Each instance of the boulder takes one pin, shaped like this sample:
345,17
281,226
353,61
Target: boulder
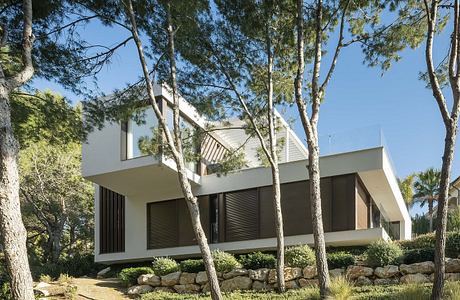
334,273
187,288
309,272
235,273
386,271
292,284
150,279
414,278
164,289
48,290
354,272
236,283
139,289
448,277
426,267
363,280
187,278
42,285
258,285
206,288
453,265
171,279
289,274
201,278
386,281
103,272
259,274
308,282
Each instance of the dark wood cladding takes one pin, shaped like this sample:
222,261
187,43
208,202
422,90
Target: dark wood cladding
249,214
169,223
112,221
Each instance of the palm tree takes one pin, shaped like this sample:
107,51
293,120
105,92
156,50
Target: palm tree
406,186
427,190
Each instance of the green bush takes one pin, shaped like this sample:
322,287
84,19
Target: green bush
381,253
192,265
129,275
340,259
258,260
453,244
299,256
418,255
453,219
224,262
76,266
164,265
427,241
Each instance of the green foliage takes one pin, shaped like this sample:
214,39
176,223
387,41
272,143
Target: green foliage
76,266
46,116
5,292
406,186
192,265
418,255
340,288
427,241
427,187
453,219
453,244
420,225
129,275
340,259
224,262
381,253
164,265
257,260
414,291
299,256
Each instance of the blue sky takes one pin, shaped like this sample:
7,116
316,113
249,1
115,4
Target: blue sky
357,97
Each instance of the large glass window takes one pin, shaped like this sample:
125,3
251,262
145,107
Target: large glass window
140,129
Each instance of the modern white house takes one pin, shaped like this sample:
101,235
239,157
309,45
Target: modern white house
141,213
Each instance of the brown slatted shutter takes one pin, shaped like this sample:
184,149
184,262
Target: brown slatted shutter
242,215
295,204
111,221
163,227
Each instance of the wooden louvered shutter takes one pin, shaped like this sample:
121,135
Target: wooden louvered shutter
111,221
162,225
242,215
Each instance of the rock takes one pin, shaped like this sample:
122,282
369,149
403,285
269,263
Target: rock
201,278
170,279
386,281
426,267
139,289
292,284
448,277
41,293
259,274
42,285
386,271
308,282
150,279
309,272
354,272
103,272
187,288
235,272
453,265
187,278
236,283
164,289
206,288
414,278
289,274
258,285
334,273
363,280
48,290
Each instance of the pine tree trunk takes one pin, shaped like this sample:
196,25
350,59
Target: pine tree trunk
439,257
316,215
12,231
279,229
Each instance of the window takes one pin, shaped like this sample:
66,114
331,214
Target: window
138,131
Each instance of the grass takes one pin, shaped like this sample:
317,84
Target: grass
340,289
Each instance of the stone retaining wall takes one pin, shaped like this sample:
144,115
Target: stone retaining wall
265,279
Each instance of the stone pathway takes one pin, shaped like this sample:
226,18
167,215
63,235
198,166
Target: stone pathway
99,289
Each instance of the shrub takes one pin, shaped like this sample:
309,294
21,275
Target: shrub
453,219
224,262
453,244
258,260
45,278
192,265
427,241
340,288
129,275
65,279
76,266
340,259
299,256
381,253
164,265
418,255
